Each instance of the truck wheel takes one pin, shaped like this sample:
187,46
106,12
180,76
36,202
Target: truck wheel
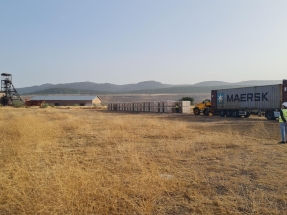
228,113
196,111
235,113
222,113
247,115
270,115
206,112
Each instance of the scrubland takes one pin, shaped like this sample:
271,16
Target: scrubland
81,161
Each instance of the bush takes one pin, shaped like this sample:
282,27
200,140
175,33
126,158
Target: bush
99,106
18,104
45,105
187,99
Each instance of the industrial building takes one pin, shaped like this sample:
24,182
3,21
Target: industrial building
8,93
69,100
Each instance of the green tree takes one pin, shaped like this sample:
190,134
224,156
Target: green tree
187,99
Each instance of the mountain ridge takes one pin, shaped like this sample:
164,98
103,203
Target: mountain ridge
144,86
96,86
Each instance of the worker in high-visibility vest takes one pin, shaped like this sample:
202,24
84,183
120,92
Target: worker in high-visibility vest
283,122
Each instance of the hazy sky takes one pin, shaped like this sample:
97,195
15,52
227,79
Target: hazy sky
128,41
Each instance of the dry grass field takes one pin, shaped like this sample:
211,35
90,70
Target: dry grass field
87,161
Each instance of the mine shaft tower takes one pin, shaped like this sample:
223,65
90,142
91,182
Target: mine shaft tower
7,87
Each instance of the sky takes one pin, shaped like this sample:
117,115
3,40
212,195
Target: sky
129,41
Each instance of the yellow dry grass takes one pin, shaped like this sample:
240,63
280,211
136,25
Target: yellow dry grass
81,161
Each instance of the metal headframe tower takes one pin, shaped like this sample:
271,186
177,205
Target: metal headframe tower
7,87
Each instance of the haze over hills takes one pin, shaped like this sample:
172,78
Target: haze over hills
245,83
97,87
141,87
260,83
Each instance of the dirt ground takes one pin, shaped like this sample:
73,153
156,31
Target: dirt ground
190,117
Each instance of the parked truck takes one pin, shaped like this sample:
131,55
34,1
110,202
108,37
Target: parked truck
237,102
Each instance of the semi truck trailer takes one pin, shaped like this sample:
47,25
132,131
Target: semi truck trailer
237,102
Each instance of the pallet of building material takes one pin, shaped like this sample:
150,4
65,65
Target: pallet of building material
169,103
140,107
115,106
184,103
146,106
153,104
154,109
143,106
173,110
185,109
137,106
168,109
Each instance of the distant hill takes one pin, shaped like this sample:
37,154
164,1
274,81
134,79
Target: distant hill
149,87
186,89
245,83
211,83
170,90
58,91
34,88
259,83
96,87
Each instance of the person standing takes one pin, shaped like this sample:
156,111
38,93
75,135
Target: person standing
176,108
283,122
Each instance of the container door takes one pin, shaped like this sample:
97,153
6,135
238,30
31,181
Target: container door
214,99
